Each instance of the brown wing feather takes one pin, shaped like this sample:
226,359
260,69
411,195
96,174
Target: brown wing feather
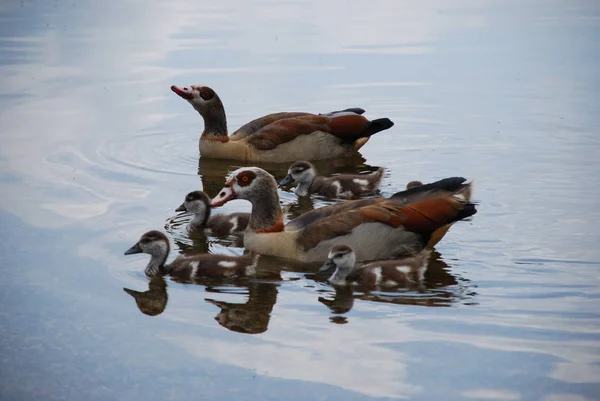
287,129
326,211
343,223
424,216
261,122
430,214
350,126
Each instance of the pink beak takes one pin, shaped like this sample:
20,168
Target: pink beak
184,92
225,195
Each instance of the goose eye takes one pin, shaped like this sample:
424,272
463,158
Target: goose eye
206,93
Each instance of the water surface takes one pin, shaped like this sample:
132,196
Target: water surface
96,150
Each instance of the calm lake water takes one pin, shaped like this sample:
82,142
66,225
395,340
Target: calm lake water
96,150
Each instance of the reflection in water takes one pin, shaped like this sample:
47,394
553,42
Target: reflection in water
95,146
434,291
303,205
197,241
154,301
214,171
342,301
251,317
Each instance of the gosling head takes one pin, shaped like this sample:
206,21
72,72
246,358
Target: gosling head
413,184
301,172
198,203
342,257
153,243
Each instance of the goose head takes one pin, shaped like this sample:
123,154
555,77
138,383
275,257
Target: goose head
206,102
343,258
250,183
202,98
301,172
198,203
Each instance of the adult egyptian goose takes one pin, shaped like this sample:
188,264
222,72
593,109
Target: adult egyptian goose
385,273
279,137
193,266
304,175
198,203
378,228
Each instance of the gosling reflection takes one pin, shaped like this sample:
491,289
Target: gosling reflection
439,288
154,301
302,205
251,317
201,242
342,302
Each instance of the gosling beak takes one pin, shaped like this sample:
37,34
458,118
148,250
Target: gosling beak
134,249
181,208
328,265
185,92
225,195
133,293
286,181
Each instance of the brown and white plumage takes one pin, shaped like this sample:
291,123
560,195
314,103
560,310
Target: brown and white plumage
385,273
279,137
198,203
377,228
304,175
192,266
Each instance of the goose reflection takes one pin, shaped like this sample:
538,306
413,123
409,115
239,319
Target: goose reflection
154,301
440,288
214,171
253,316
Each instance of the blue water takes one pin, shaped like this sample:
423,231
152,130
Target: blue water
96,150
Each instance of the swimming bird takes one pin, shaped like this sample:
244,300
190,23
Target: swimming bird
279,137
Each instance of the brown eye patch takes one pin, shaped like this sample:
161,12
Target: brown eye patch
245,178
206,93
300,166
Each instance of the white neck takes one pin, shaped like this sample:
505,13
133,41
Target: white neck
303,189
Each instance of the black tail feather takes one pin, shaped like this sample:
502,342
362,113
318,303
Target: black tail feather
451,184
377,125
468,211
